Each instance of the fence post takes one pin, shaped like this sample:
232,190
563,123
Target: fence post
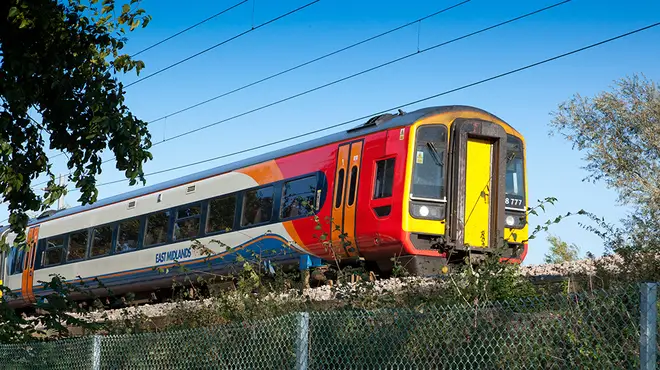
302,341
648,325
96,352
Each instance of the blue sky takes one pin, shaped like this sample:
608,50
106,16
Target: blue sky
525,100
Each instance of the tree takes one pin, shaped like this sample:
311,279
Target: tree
58,85
560,251
618,132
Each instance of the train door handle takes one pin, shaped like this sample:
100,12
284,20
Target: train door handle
317,200
485,193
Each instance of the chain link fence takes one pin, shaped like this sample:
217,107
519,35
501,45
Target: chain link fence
597,330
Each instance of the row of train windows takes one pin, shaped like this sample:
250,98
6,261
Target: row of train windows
297,199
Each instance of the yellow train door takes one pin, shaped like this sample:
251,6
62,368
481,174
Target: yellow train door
478,185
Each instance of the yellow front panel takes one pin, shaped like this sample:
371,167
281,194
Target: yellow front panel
477,192
411,224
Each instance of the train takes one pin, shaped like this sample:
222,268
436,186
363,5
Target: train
423,189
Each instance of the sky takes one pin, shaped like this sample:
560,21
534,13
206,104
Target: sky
525,100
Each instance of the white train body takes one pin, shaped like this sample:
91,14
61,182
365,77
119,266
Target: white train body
23,270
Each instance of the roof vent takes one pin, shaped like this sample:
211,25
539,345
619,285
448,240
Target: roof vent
377,120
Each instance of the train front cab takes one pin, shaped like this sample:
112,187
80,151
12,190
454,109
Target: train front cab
464,192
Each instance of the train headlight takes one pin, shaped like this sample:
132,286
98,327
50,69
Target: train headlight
515,221
427,211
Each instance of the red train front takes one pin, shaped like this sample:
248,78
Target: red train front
426,186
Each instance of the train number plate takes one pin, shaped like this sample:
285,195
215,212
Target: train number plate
514,201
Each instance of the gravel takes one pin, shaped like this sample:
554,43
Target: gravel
328,293
579,267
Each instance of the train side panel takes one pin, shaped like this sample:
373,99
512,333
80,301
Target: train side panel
130,270
381,194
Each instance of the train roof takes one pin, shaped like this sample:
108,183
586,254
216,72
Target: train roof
375,124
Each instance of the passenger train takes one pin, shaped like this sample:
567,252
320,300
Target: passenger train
427,186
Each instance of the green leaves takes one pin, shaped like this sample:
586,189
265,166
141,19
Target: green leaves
560,251
65,70
616,130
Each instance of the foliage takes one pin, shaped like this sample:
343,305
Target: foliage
56,312
617,131
545,226
560,251
59,61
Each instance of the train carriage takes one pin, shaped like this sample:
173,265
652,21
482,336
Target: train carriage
427,186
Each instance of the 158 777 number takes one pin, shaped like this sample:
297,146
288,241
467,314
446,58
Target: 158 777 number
513,202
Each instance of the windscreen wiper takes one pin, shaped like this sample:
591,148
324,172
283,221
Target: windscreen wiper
434,153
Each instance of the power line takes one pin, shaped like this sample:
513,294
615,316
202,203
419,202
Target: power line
221,43
189,28
446,92
308,62
165,40
39,184
410,55
293,68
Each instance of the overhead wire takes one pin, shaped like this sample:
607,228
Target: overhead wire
199,53
352,76
362,118
189,28
165,40
410,55
254,28
308,62
334,82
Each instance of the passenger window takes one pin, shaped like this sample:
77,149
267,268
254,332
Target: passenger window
156,229
127,235
77,246
353,186
340,188
221,214
17,263
384,178
54,251
188,220
101,241
257,206
298,197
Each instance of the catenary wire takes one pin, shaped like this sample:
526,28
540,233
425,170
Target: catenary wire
189,28
185,133
308,62
356,74
446,92
221,43
353,75
197,54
